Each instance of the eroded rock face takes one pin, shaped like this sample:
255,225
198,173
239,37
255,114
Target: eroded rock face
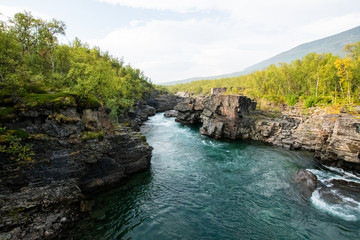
171,113
163,102
154,103
189,111
77,153
225,116
332,137
335,139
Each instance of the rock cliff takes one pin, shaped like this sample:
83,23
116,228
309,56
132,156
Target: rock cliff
77,152
153,103
334,138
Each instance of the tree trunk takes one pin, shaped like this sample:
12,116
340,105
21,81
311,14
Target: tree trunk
317,82
348,83
335,92
52,60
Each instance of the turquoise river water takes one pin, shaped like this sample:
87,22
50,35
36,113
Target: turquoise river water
200,188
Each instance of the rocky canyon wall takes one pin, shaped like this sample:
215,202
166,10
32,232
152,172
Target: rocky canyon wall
334,138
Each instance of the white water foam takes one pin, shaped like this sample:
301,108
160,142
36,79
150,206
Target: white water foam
348,209
345,212
349,175
334,174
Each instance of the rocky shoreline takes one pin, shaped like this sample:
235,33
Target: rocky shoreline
335,138
78,152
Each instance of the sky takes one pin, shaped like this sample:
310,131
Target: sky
172,40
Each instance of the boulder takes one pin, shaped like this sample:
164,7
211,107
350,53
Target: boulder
171,113
307,180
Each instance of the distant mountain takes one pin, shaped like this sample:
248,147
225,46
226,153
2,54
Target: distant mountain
333,44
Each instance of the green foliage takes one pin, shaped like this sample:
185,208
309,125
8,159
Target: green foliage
310,102
36,71
7,135
35,88
161,89
320,79
18,151
3,130
6,112
291,100
274,98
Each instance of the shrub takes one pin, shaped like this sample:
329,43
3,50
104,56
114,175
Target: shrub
274,98
310,102
292,100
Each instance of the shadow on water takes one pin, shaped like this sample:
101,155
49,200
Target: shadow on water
200,188
113,212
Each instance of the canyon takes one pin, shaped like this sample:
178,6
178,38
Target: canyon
334,138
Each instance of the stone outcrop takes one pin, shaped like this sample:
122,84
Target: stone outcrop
216,91
225,115
307,180
335,139
163,101
171,114
189,111
332,137
77,152
153,103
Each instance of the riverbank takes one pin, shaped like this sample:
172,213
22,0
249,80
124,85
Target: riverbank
334,138
73,153
202,188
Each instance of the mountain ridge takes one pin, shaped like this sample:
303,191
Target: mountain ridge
334,44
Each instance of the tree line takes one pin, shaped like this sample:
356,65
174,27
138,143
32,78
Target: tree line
32,61
316,79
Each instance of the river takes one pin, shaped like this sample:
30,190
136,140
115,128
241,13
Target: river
200,188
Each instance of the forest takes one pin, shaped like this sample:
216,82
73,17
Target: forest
35,68
314,80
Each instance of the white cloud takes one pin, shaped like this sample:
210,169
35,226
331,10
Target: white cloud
176,6
240,34
331,26
171,50
211,37
7,12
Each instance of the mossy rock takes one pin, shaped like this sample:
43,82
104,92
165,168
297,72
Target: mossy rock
88,103
49,100
6,95
64,119
39,136
8,135
92,135
19,133
7,113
